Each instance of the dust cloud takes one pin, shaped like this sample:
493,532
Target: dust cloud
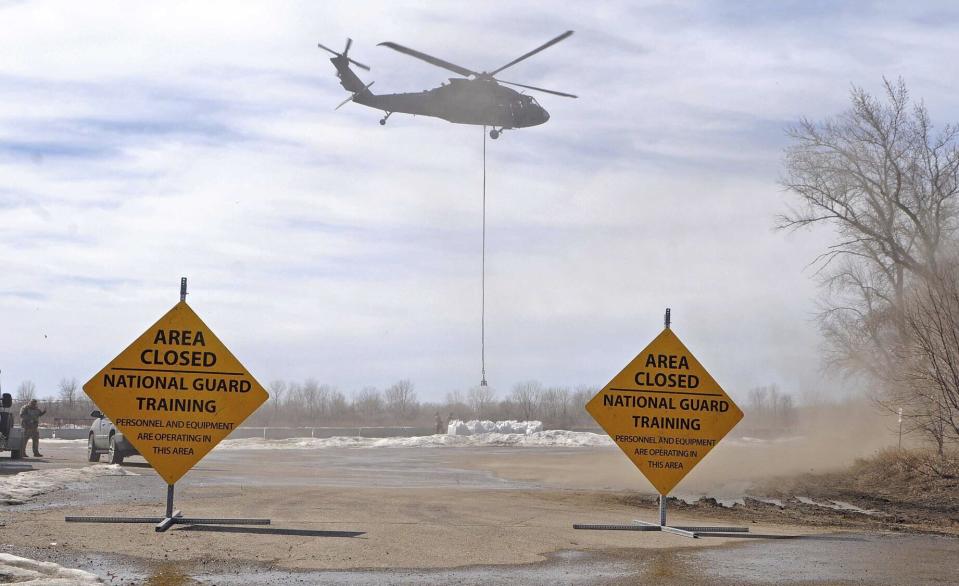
820,438
824,438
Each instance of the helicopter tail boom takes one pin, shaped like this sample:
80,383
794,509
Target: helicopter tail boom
349,80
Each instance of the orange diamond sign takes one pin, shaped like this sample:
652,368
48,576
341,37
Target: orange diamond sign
176,392
664,411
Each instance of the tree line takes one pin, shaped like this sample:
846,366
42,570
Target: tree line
769,411
310,403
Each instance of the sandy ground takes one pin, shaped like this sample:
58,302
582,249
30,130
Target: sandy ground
469,515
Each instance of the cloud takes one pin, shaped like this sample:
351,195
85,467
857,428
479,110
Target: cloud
200,140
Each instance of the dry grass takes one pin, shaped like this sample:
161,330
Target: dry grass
910,479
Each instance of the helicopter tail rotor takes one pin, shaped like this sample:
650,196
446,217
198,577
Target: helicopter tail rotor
354,96
345,53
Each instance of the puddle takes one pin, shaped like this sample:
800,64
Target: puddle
832,559
568,567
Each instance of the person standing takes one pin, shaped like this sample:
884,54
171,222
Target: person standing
30,416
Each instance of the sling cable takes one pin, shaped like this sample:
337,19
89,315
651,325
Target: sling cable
483,278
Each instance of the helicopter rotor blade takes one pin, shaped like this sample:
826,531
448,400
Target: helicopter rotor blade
343,54
534,51
539,89
349,43
358,64
324,47
429,59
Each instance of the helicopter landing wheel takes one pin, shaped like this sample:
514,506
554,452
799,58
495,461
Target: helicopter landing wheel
382,121
494,134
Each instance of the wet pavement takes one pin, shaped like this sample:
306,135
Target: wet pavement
840,558
827,557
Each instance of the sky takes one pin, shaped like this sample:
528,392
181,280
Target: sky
143,142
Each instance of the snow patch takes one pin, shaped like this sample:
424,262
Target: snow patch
769,501
838,506
18,570
757,441
294,443
476,427
19,488
550,438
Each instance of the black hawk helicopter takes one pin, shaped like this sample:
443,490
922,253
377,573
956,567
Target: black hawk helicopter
476,98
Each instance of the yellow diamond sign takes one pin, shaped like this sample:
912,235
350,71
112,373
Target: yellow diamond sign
175,392
664,411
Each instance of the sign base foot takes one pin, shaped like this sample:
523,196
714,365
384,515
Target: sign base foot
164,523
693,532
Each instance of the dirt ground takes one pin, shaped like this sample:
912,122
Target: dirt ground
467,515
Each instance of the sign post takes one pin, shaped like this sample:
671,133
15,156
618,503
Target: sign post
665,412
175,393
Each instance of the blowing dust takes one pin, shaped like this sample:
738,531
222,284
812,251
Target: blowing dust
823,438
818,439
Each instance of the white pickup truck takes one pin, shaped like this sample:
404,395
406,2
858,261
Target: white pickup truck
105,438
11,438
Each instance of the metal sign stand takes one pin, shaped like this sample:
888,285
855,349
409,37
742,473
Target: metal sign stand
684,530
172,517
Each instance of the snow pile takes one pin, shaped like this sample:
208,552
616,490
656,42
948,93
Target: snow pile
475,427
567,439
551,438
18,488
18,570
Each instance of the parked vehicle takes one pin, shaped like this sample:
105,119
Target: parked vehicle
105,438
11,438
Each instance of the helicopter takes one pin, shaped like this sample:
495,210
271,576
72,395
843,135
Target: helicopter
476,98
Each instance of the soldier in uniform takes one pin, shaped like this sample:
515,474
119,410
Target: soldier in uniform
30,421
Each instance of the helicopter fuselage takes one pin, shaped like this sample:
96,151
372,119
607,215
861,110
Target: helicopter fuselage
477,101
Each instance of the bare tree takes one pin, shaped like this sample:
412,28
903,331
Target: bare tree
786,411
526,396
928,389
770,410
26,391
293,405
759,400
481,399
277,388
555,403
456,404
887,183
401,399
67,391
580,397
311,399
339,407
368,403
